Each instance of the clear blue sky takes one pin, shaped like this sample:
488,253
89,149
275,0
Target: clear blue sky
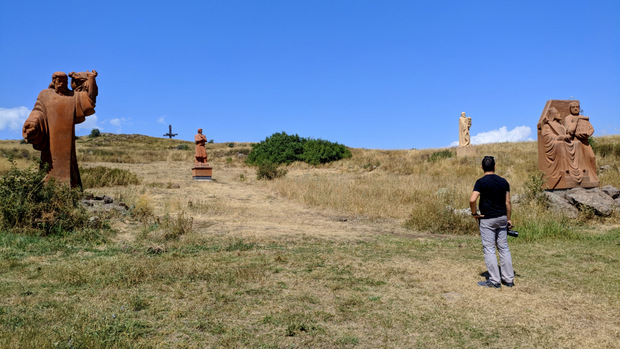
371,74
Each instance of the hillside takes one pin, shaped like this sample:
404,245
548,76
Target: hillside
363,252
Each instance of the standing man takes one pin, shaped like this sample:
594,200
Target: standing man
494,221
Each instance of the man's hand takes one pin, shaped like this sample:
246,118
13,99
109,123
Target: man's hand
509,224
477,216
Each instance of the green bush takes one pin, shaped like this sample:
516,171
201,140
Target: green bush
281,148
29,205
269,171
442,154
102,176
94,133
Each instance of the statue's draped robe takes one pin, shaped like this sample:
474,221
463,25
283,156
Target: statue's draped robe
464,125
561,157
55,117
201,152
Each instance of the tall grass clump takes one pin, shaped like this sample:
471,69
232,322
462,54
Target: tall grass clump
102,176
30,205
433,213
281,148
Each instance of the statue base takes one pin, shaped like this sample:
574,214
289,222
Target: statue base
202,172
462,152
567,182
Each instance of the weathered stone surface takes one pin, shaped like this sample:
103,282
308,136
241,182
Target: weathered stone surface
558,204
611,191
464,125
564,151
50,127
594,198
605,168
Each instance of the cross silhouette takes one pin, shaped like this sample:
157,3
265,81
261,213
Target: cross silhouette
170,134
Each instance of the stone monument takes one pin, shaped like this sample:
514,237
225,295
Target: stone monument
50,127
564,153
464,148
201,169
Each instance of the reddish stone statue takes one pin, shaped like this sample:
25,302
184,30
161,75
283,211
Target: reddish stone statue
201,169
50,127
564,153
201,151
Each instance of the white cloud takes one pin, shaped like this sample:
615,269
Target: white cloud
518,134
115,122
13,118
162,120
88,125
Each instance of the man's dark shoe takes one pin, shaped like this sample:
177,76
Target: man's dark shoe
508,284
488,283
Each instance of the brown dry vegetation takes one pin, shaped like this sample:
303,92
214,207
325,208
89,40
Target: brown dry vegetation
319,258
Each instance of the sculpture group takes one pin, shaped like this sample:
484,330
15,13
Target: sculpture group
564,152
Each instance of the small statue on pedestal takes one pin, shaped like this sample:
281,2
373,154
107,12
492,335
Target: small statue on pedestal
201,169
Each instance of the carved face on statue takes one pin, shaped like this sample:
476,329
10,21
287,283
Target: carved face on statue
200,131
575,108
60,82
553,114
463,114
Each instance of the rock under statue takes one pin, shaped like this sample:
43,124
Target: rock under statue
564,153
50,127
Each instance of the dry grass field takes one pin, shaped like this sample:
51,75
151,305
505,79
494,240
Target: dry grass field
365,252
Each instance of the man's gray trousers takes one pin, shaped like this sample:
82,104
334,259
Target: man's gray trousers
494,233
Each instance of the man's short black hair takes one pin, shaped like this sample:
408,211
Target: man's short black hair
488,164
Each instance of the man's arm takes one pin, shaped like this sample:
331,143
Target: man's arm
472,204
508,208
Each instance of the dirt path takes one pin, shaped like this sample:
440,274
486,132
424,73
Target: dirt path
235,203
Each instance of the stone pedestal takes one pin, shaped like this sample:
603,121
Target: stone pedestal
465,151
202,172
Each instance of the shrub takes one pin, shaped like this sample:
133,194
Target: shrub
281,148
30,205
231,145
94,133
269,171
102,176
210,141
318,151
183,147
442,154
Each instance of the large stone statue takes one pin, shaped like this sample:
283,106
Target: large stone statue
464,125
201,151
201,169
564,153
50,127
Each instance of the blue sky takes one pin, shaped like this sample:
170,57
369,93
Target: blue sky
369,74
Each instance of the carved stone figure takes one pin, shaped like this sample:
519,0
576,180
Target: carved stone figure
201,169
201,151
464,125
564,153
50,127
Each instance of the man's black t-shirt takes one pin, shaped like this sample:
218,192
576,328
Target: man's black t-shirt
492,189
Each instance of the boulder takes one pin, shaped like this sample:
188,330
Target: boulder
558,204
595,198
611,191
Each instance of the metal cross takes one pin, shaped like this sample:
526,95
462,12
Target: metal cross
170,134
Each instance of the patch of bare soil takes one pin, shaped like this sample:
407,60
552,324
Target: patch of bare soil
236,203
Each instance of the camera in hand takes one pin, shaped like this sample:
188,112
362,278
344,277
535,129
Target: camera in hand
511,232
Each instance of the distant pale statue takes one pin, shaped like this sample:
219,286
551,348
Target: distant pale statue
201,151
464,125
50,127
564,153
